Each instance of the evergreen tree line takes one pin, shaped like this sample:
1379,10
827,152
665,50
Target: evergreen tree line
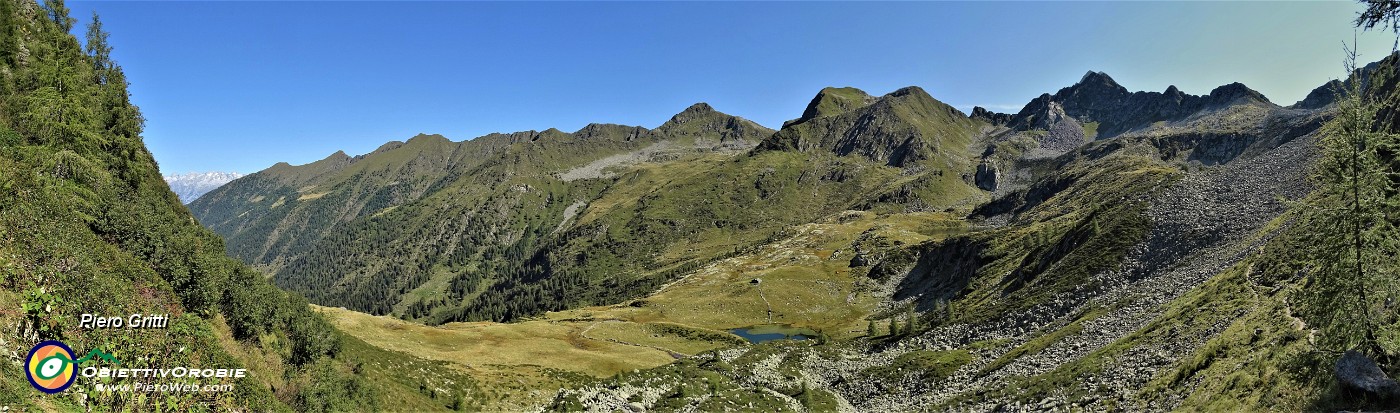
95,227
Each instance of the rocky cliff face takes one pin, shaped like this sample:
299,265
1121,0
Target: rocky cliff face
1321,96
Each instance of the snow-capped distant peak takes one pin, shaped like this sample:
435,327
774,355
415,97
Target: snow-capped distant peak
192,185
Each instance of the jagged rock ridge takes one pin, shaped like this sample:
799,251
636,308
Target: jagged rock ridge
1099,99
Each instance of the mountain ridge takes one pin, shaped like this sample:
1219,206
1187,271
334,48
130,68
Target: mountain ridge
190,186
1008,252
900,128
933,143
1097,98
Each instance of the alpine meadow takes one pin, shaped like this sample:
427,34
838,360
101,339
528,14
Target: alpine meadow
1099,249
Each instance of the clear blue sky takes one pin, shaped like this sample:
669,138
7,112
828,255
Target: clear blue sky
238,86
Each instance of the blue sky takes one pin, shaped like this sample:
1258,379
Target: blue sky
238,86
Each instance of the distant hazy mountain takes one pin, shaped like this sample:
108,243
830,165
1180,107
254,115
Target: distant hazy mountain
191,186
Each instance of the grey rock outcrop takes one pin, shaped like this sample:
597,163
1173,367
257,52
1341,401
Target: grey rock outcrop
1356,371
987,176
1321,96
994,118
1061,132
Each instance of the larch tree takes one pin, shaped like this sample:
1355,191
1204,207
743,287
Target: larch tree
1354,241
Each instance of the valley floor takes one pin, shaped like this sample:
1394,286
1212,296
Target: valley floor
805,281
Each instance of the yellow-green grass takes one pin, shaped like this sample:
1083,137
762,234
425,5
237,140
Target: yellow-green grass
431,386
514,365
672,337
311,196
260,363
806,279
436,285
553,345
646,178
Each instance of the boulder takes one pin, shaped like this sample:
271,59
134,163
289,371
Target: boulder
1356,371
987,176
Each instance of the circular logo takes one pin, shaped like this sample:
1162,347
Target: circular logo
50,367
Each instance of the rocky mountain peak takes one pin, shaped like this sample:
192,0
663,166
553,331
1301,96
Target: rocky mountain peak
834,101
910,91
1232,92
701,120
1321,96
551,133
1099,102
1092,89
423,138
1099,79
901,128
698,109
610,131
694,112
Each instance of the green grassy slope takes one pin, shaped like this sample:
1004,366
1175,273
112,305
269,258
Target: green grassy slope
87,226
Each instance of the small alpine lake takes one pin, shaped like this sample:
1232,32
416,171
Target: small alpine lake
770,332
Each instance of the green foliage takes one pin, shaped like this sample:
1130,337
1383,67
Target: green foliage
1353,214
1091,130
311,336
40,321
87,225
330,390
250,311
911,319
1380,12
